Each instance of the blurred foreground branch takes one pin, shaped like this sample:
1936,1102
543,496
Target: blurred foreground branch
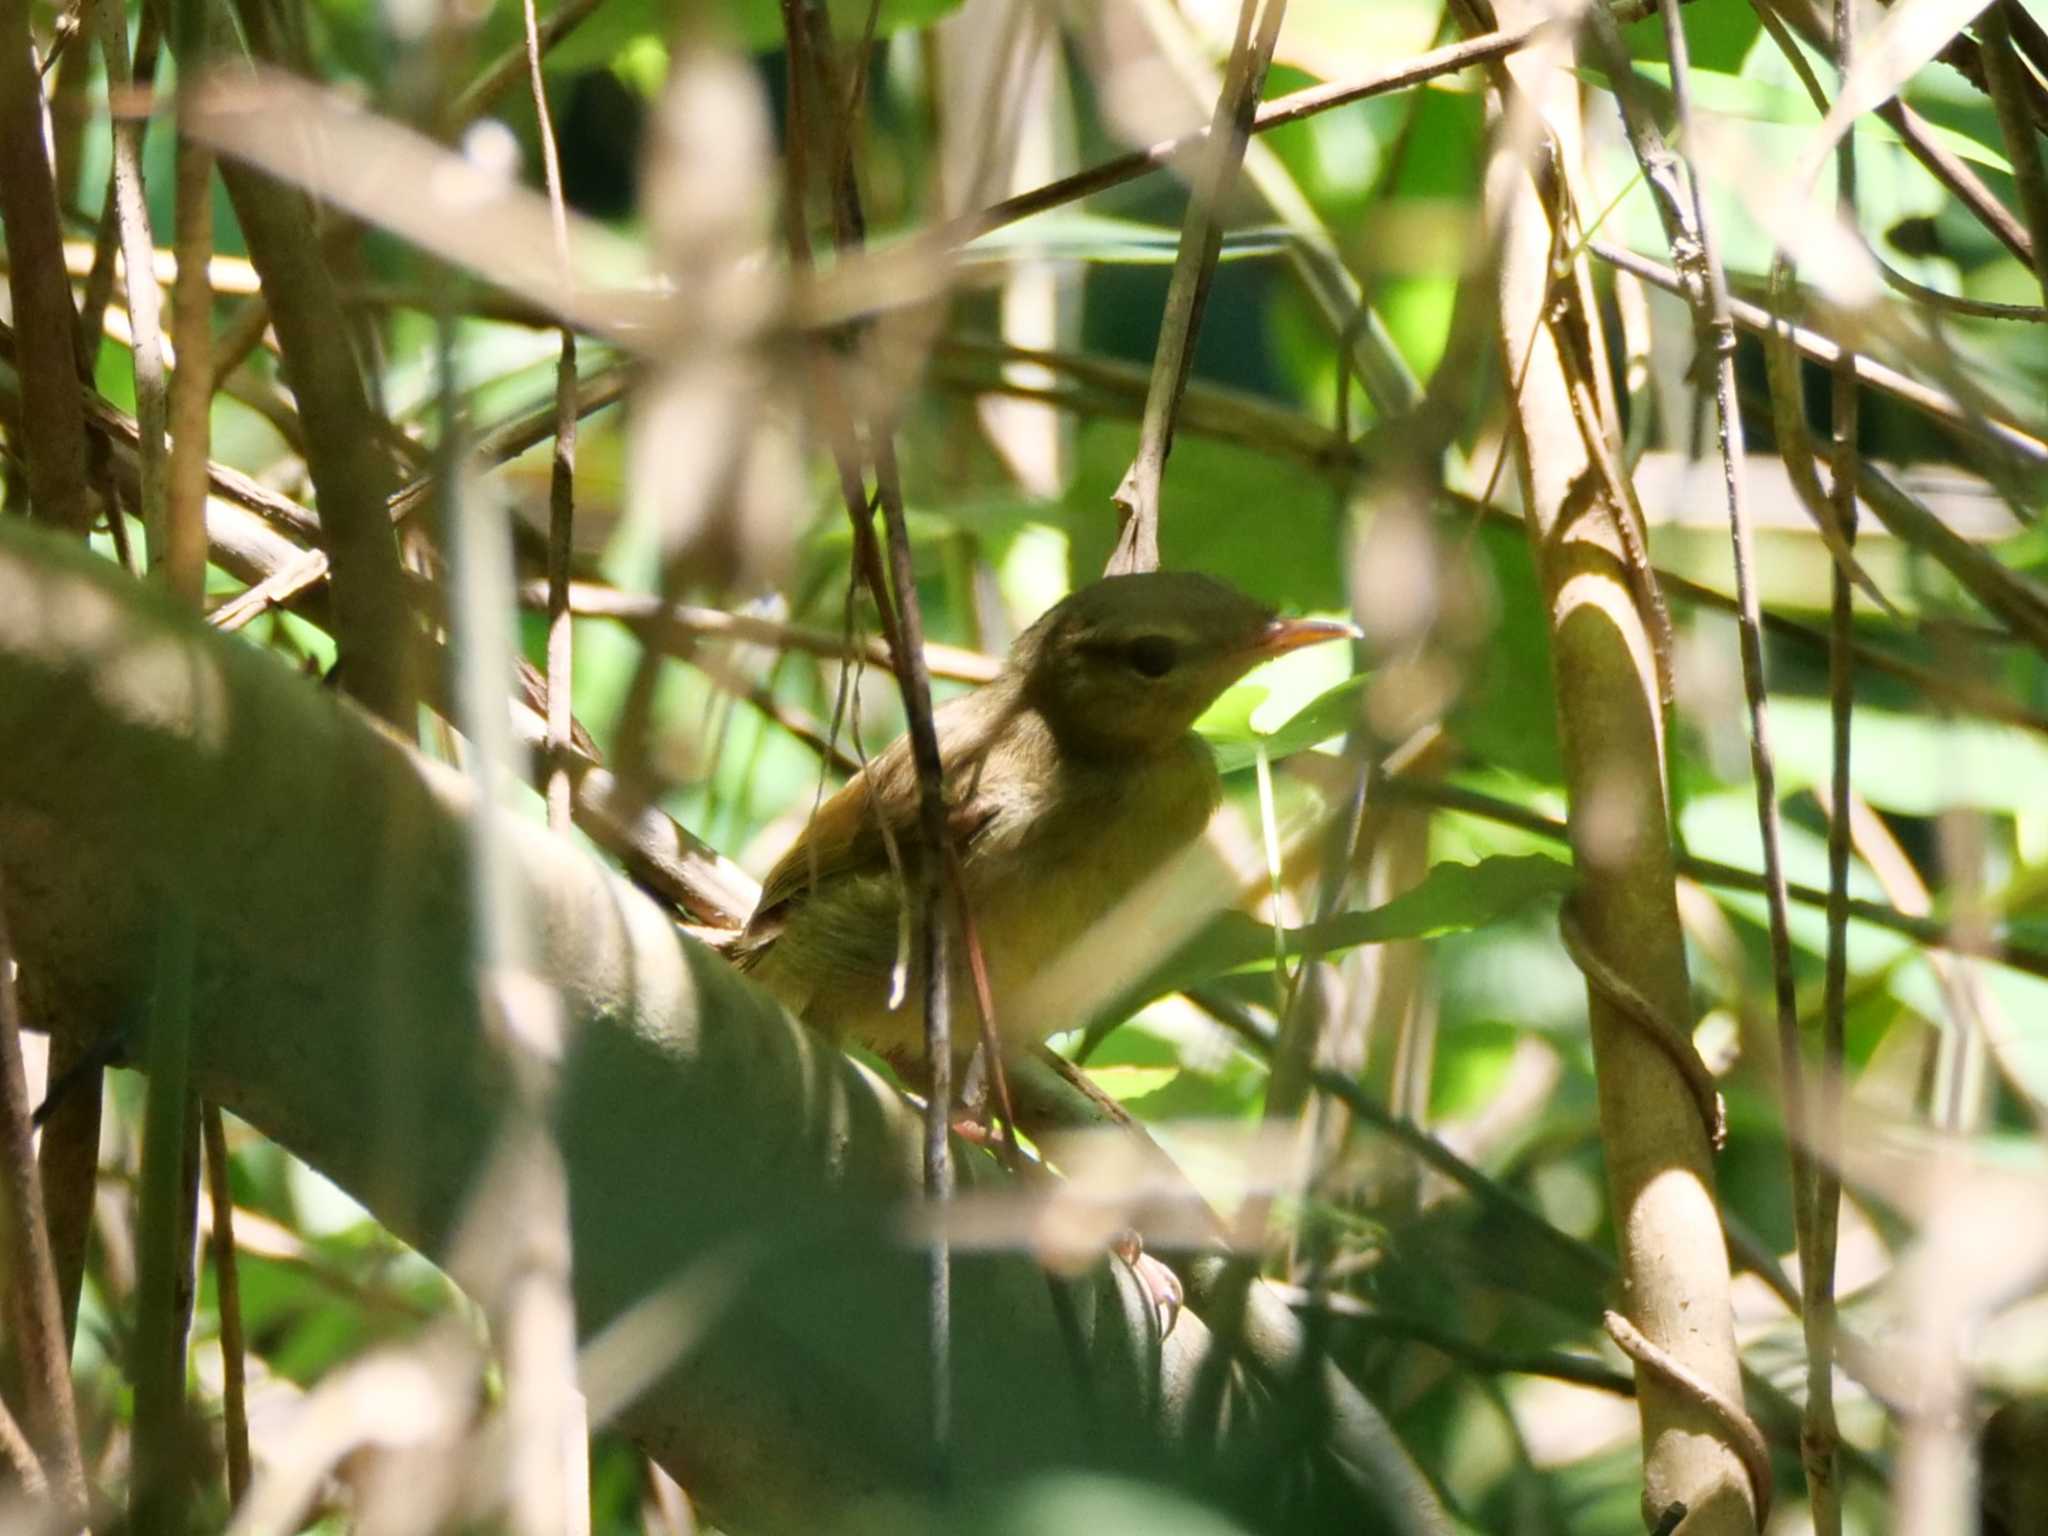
714,1149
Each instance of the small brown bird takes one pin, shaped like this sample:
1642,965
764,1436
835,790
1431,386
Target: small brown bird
1068,780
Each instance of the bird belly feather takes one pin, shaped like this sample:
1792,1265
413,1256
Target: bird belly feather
1043,871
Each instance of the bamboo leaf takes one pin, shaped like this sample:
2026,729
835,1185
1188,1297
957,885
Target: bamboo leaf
1451,898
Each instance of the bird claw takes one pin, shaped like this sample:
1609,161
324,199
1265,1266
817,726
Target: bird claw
1161,1285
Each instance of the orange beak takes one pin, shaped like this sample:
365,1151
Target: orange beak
1283,635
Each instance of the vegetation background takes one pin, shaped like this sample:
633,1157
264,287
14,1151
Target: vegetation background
613,360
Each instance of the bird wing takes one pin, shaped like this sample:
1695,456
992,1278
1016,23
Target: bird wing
850,833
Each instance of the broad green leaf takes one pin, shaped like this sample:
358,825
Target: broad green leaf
1264,521
1192,1095
1237,742
1507,714
1228,722
2020,1047
1451,898
1473,1060
1723,826
1767,101
1324,37
1914,763
1126,1083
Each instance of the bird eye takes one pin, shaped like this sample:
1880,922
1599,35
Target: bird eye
1152,655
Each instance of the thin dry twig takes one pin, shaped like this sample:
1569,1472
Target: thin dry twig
68,1162
185,545
1927,931
2007,79
20,1456
1931,352
821,739
561,472
591,600
1954,173
503,72
120,431
561,543
1307,245
813,126
53,442
1966,57
162,1488
1918,136
594,392
814,137
1820,1435
1555,1365
1818,348
345,459
1201,244
191,391
34,1307
1292,108
2017,601
227,1276
137,243
160,1491
1496,1199
1795,443
658,853
1951,303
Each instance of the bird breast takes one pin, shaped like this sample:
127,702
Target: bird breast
1048,856
1060,858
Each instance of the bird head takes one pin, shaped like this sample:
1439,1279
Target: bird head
1126,664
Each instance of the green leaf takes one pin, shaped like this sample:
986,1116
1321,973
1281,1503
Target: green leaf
1266,522
1191,1095
1910,35
1915,764
1473,1062
1237,745
2021,1047
1451,898
1764,101
1507,713
1228,722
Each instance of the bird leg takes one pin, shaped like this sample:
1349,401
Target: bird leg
1161,1285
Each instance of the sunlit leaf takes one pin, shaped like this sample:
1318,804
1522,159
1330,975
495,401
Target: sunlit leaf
1451,898
1237,742
1919,764
1910,35
1765,101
